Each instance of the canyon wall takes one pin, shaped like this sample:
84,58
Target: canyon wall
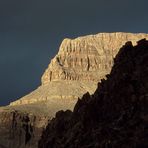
116,115
79,61
76,69
19,129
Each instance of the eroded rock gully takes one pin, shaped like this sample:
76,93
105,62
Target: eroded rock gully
20,130
116,115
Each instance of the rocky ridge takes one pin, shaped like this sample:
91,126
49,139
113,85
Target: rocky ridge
75,70
116,115
79,61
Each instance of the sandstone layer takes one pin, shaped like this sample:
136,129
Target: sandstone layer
116,115
79,61
76,69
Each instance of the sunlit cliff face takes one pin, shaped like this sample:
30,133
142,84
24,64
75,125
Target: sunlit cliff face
79,62
116,115
76,69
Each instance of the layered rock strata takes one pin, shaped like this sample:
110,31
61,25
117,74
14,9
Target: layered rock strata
20,129
75,70
79,61
116,115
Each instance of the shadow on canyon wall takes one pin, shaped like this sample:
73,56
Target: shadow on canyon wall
116,115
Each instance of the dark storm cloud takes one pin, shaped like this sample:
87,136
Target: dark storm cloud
31,31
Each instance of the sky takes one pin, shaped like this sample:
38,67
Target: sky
32,30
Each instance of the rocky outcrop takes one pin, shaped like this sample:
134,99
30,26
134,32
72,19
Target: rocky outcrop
116,115
79,62
75,70
20,129
87,58
56,91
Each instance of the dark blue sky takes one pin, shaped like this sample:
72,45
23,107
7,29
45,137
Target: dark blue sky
32,30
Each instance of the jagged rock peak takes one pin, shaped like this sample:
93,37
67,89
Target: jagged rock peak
84,57
116,115
78,66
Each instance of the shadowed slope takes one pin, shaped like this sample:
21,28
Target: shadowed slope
115,116
76,69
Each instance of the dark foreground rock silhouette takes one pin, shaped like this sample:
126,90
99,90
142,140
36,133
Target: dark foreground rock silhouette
115,116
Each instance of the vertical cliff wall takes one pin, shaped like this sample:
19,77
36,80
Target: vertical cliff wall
76,69
116,115
20,129
79,62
